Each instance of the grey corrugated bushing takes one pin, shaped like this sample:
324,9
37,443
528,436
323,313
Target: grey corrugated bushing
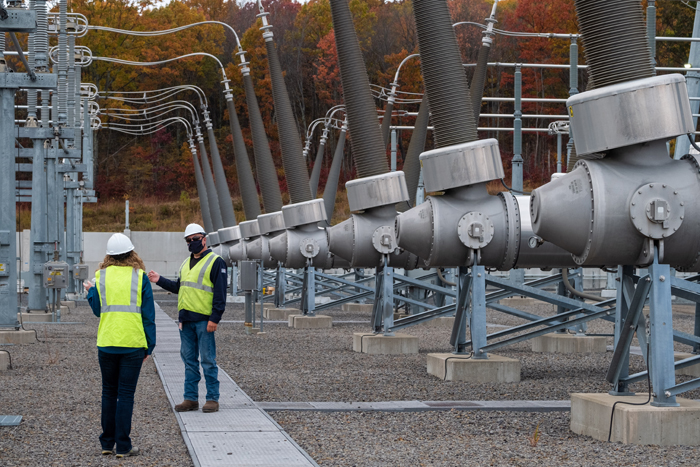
363,239
610,211
305,238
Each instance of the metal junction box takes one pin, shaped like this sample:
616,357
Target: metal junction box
80,272
247,275
55,275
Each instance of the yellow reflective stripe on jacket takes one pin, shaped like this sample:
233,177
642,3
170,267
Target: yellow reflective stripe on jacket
119,289
196,289
134,305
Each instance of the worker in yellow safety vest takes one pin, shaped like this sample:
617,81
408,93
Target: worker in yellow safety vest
123,300
201,288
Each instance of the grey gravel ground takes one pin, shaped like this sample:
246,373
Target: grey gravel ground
290,365
56,386
462,438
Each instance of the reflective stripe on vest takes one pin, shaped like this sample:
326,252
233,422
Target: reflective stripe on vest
121,323
133,306
196,289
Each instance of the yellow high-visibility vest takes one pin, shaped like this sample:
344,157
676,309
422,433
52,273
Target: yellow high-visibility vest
119,289
196,289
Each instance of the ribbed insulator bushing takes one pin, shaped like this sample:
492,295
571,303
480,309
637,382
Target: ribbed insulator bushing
264,166
478,80
246,182
210,188
367,147
295,170
41,36
411,166
615,39
330,191
316,172
202,194
443,74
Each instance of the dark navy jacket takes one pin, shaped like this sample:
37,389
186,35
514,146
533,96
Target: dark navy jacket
218,277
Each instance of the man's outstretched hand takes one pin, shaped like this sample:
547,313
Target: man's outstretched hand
153,276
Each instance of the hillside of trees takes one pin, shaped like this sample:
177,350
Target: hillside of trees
160,166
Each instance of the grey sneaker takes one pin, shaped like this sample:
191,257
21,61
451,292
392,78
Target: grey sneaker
133,452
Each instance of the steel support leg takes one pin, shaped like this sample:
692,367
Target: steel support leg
477,323
582,327
8,214
561,290
625,287
661,361
280,286
39,229
359,275
387,298
459,329
308,301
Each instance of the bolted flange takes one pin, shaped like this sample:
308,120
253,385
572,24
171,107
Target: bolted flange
475,230
657,210
309,247
384,239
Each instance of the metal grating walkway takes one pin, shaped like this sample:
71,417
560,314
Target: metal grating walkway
240,433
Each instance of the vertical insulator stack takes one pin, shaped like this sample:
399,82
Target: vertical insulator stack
367,145
451,107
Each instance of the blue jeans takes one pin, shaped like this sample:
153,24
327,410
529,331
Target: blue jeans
120,374
196,341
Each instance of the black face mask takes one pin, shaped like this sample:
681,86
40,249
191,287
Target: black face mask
195,247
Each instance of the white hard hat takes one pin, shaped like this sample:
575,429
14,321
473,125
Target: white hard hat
118,244
194,229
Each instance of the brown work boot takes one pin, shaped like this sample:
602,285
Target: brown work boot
210,406
186,406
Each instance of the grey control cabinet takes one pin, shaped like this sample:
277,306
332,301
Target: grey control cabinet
55,275
80,272
247,275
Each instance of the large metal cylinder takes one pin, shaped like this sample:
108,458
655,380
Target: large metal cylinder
249,231
363,239
440,230
535,252
228,236
608,212
305,237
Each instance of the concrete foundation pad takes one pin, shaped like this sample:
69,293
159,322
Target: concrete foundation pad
310,322
359,307
645,424
251,330
494,369
4,361
234,299
399,316
377,344
18,337
569,343
35,317
69,303
693,371
280,314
